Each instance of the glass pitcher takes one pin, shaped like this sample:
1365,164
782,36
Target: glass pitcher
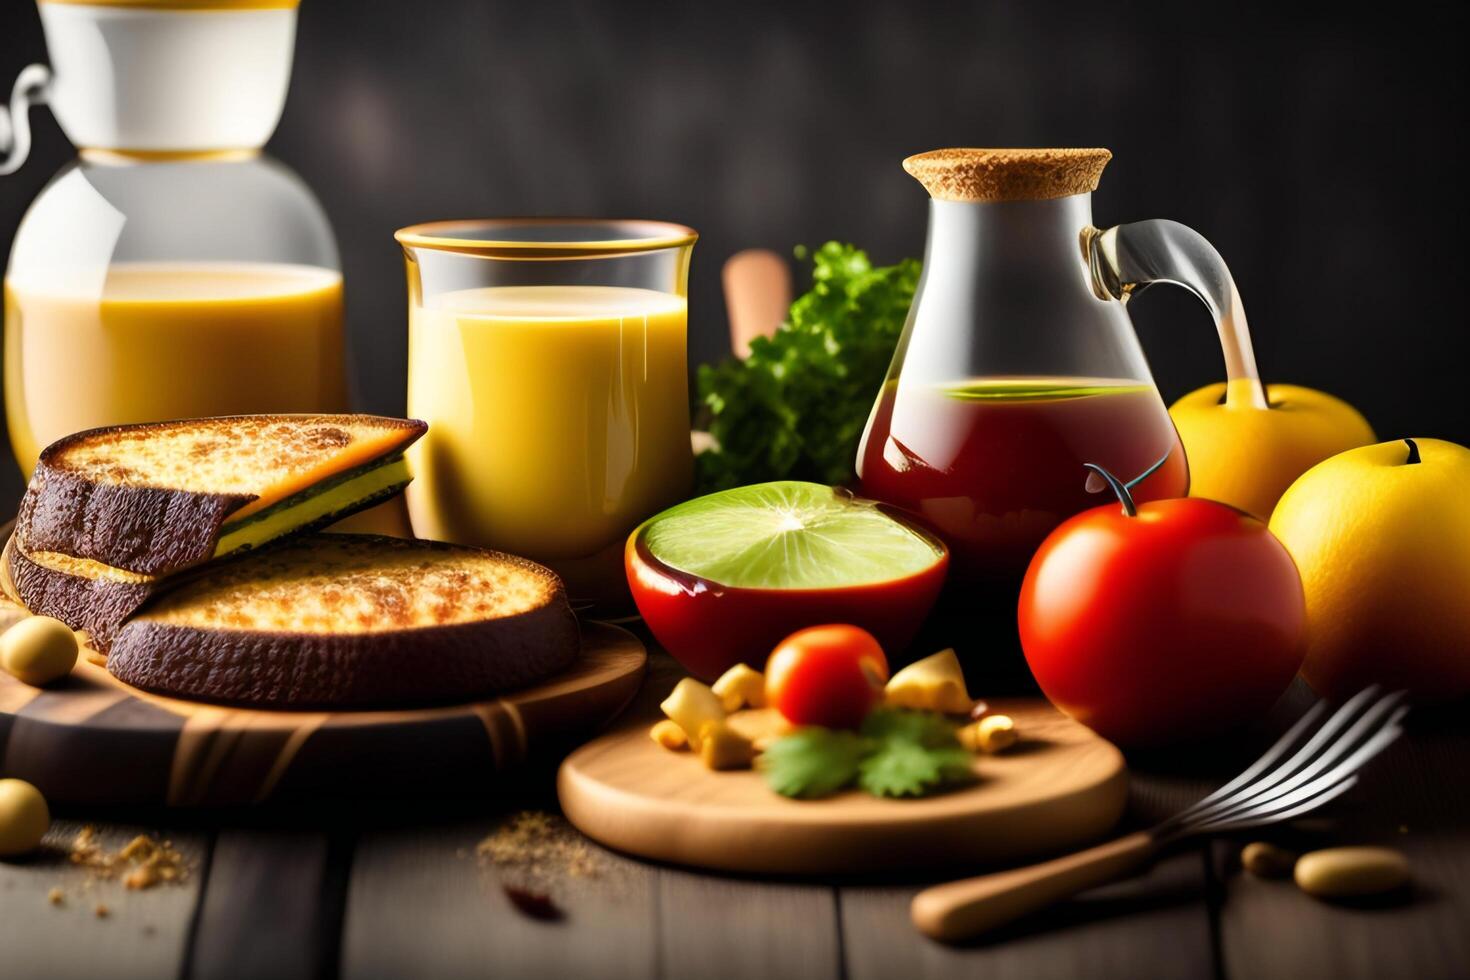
1018,363
172,271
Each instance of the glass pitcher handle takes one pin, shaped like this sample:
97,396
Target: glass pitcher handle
1126,258
30,89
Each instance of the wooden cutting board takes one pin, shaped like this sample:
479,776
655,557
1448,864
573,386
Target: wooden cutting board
1061,786
94,740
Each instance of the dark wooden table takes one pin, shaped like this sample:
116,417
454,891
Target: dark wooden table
375,889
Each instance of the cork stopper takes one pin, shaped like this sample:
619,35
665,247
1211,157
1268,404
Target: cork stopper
1007,175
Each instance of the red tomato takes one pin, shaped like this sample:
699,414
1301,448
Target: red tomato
826,675
1175,623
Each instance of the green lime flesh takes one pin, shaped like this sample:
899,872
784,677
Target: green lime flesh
787,535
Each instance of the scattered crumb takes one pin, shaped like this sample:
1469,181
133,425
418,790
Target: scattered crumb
141,863
534,905
534,843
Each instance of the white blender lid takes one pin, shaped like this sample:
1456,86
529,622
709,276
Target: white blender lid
169,76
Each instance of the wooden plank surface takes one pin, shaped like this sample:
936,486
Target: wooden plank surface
331,892
1157,925
423,903
268,908
1154,926
1416,798
716,928
144,934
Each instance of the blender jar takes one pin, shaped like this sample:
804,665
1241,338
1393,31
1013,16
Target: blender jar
173,271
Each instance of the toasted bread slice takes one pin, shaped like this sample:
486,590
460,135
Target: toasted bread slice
83,594
351,620
161,497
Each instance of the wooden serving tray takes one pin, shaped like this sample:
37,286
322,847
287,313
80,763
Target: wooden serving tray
1059,787
94,740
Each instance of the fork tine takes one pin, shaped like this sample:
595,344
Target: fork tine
1251,820
1342,718
1314,793
1284,745
1365,727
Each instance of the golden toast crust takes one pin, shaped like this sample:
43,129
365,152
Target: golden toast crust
357,583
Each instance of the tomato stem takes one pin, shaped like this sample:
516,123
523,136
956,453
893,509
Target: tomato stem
1150,471
1124,497
1413,452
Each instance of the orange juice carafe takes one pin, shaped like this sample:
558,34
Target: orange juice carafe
1018,363
172,271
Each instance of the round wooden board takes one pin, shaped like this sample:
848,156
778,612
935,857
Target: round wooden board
1059,787
95,740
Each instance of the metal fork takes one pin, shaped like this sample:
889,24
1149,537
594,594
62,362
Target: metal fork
1307,767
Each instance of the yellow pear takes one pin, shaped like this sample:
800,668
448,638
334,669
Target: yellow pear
1246,456
1381,537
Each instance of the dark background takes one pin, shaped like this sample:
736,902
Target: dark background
1319,152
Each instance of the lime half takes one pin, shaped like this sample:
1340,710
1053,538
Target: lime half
788,535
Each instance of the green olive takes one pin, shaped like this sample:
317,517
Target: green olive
24,817
39,650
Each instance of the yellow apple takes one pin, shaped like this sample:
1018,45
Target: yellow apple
1381,536
1246,456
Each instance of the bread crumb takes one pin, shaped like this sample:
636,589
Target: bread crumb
103,911
56,896
142,862
536,841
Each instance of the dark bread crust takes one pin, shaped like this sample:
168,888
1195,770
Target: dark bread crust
141,529
150,530
436,664
98,606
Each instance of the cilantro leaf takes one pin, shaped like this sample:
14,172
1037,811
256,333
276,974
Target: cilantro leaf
900,768
813,762
795,409
917,753
903,768
924,728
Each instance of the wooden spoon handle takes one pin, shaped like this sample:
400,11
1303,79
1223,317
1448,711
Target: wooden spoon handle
757,295
965,909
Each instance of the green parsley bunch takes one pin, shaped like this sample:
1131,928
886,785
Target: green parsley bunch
796,407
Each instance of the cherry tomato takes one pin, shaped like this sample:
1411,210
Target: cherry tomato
826,675
1176,621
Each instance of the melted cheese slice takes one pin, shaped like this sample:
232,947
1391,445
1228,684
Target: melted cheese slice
239,534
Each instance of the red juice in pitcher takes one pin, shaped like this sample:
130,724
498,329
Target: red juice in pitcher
995,464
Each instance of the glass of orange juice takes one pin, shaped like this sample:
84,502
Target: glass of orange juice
549,357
